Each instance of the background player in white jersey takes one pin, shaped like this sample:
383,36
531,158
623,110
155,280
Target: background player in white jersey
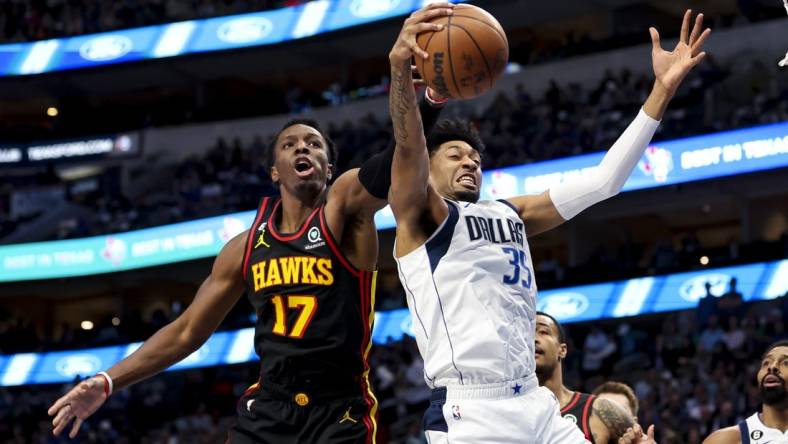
466,267
771,425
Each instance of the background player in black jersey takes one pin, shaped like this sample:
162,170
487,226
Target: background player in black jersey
307,266
620,393
601,420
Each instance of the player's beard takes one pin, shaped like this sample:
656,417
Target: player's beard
467,196
774,396
545,371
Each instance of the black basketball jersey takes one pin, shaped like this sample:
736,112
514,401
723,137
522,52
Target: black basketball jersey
314,309
578,410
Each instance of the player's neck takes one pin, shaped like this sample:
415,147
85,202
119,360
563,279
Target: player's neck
775,417
556,385
295,210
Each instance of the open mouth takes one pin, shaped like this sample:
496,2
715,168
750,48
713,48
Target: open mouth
772,381
539,352
468,180
304,167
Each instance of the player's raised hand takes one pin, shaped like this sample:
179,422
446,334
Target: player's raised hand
670,67
406,46
79,403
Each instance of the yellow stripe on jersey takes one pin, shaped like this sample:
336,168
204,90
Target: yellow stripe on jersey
371,319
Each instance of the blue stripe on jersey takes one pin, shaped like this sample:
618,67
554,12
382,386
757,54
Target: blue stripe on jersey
440,242
510,205
433,417
745,432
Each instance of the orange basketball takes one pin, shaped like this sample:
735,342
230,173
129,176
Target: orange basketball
467,56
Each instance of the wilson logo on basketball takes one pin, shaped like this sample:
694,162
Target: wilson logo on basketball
439,81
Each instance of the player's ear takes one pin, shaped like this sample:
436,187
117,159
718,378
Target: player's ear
562,350
274,175
330,172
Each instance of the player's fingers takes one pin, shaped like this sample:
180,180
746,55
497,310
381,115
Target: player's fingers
436,5
61,415
60,422
418,28
75,428
685,26
698,58
56,406
701,40
417,51
696,29
431,14
651,432
654,39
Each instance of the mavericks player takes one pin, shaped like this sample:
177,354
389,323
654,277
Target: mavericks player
466,267
771,425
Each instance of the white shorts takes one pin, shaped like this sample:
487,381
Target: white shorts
512,412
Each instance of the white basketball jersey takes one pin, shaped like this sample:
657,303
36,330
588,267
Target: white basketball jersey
753,431
472,296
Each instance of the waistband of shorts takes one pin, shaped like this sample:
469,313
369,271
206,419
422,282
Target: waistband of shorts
314,393
496,390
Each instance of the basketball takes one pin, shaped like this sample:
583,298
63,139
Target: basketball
467,56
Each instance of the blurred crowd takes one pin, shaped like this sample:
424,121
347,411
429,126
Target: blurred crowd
517,127
25,20
693,372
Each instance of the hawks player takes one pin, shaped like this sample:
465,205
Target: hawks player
307,265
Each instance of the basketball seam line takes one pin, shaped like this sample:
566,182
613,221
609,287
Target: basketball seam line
451,60
502,36
484,58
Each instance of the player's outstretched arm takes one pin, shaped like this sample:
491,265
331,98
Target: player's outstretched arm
216,296
411,195
566,200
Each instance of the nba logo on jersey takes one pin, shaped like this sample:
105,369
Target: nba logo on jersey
455,412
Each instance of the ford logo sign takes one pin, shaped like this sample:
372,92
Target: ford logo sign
564,305
78,365
694,289
105,48
245,30
372,8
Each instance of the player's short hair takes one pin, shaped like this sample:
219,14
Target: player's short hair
331,148
454,129
780,343
619,388
558,326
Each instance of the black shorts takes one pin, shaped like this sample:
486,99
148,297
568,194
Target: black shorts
275,415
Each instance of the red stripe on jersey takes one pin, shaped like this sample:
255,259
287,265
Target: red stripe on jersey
293,236
332,245
572,403
586,427
248,251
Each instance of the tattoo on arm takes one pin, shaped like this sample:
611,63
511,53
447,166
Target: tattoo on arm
402,100
614,416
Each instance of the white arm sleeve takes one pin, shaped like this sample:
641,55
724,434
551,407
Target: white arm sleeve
575,195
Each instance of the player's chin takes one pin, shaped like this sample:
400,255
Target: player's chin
466,195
